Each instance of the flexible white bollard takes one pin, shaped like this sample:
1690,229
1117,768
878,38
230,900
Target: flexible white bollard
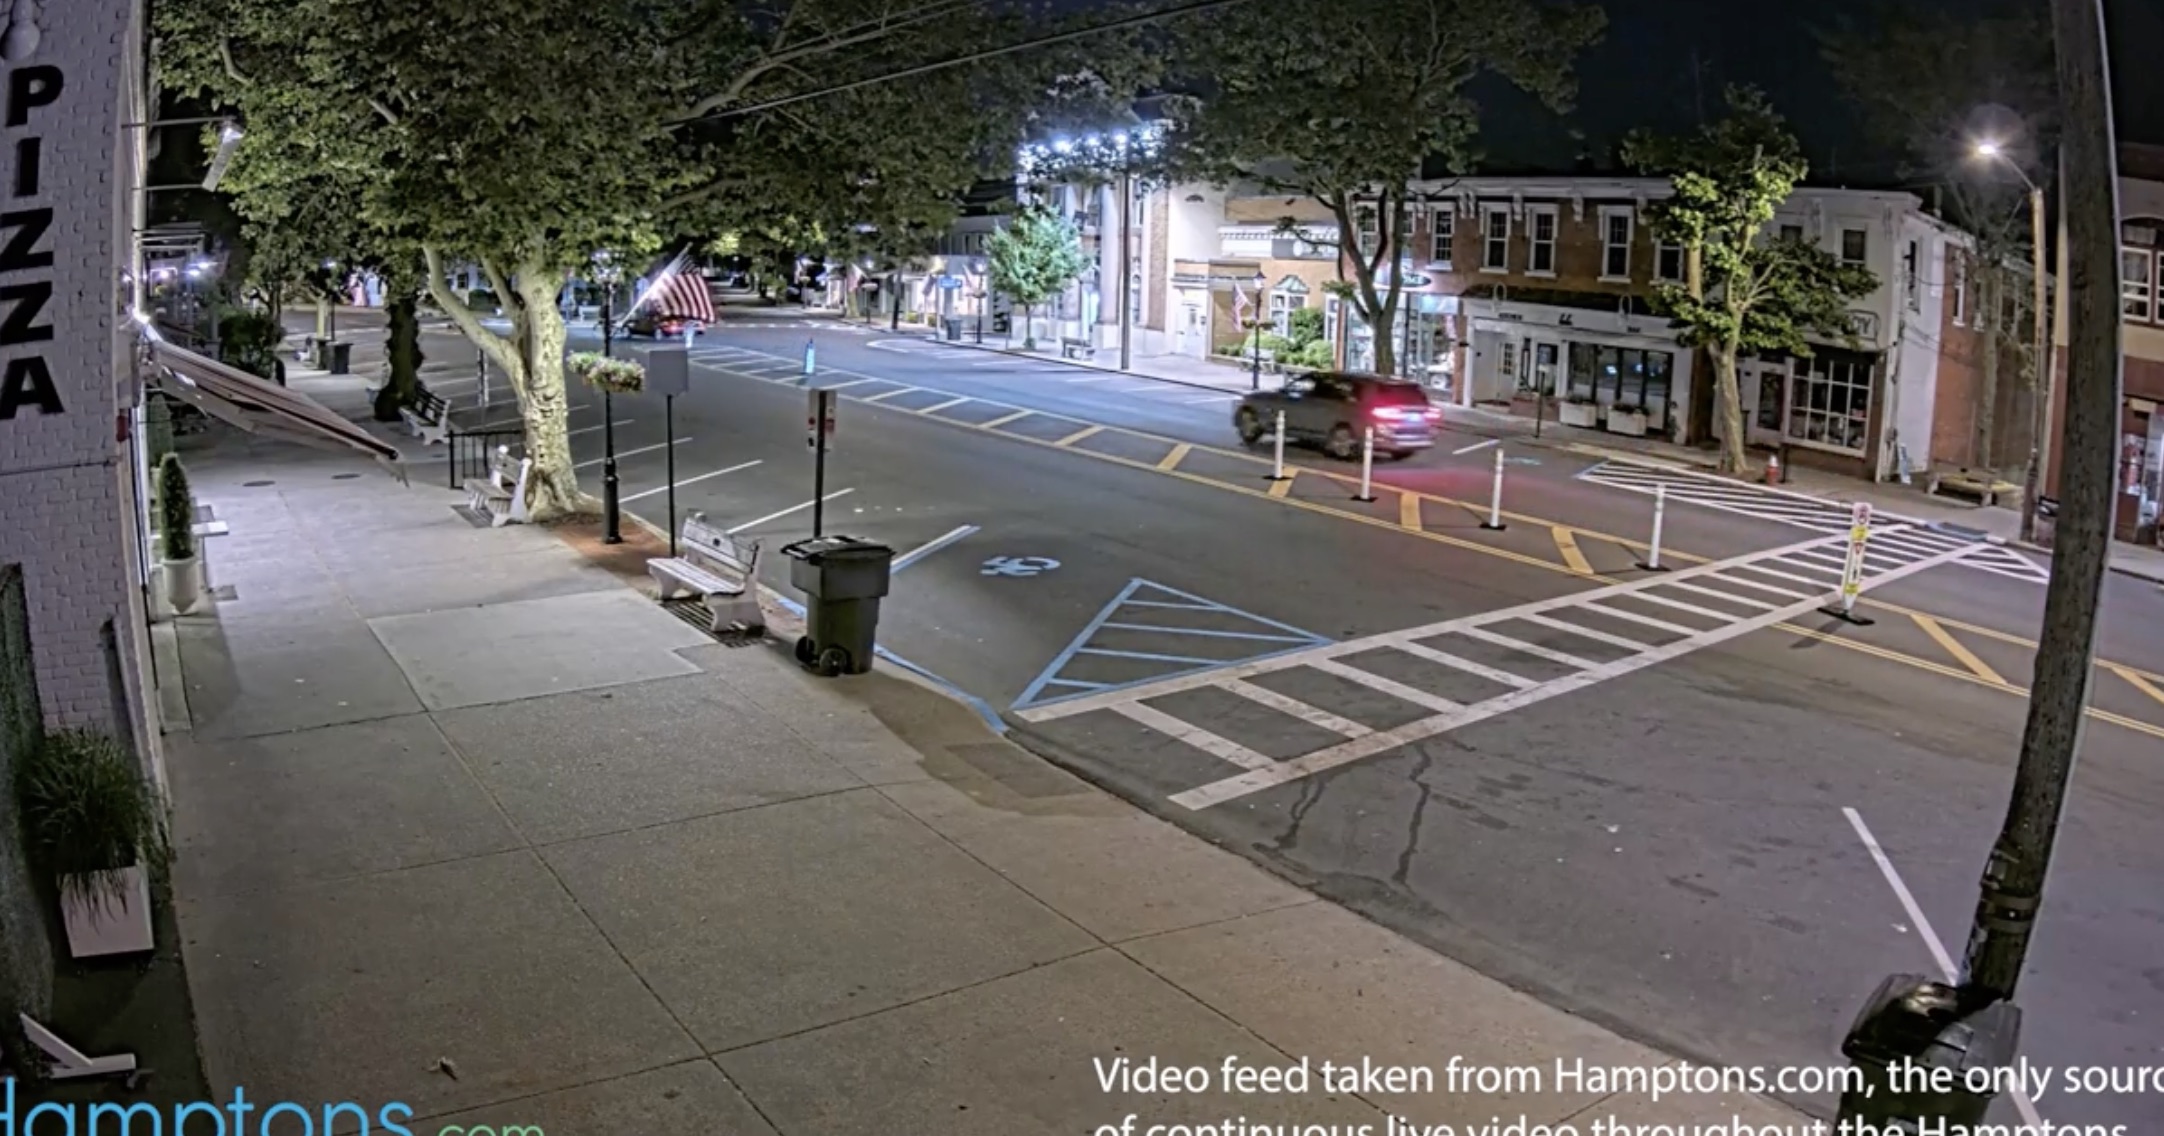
1495,496
1277,465
1367,466
1652,562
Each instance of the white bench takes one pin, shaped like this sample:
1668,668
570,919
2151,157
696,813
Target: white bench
428,418
721,570
1076,349
502,494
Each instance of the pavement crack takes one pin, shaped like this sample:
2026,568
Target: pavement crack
1419,820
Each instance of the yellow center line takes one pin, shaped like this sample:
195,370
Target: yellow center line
1409,512
1002,420
1172,460
1279,489
1078,435
1566,543
2139,681
1956,648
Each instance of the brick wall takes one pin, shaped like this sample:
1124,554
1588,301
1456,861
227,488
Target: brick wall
1579,249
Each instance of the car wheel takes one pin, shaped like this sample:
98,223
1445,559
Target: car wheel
1249,424
1341,444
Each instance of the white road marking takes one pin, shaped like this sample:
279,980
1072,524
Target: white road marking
1206,399
644,493
1922,923
1090,379
597,426
929,547
944,405
892,393
628,453
785,512
1477,446
1210,743
1310,714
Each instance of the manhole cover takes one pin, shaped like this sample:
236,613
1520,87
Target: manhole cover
344,476
256,484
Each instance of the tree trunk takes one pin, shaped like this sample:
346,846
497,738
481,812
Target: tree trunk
543,402
1029,327
403,345
1987,318
323,315
1728,404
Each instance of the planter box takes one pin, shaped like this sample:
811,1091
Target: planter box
1584,414
1631,423
110,920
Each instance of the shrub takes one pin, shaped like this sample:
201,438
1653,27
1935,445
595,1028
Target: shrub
484,301
619,376
176,509
88,811
1315,354
249,340
1305,325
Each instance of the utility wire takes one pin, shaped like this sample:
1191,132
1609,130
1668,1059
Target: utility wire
993,53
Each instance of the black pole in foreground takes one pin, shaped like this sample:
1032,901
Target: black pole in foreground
610,512
668,425
1972,1022
821,401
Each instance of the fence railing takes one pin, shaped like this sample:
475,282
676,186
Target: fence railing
467,451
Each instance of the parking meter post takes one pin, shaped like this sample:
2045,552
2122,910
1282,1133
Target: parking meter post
1367,466
1277,463
1494,523
1652,562
1921,1048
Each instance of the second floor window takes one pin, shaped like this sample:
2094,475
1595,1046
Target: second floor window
1958,290
1912,278
2139,267
1442,230
1668,263
1791,232
1615,244
1495,240
1365,233
1542,259
1855,247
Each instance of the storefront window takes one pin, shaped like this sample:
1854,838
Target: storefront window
1830,403
1582,366
1628,377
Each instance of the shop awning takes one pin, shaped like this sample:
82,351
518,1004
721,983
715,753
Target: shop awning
261,407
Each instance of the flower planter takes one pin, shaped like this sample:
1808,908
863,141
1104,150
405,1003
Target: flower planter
184,584
108,916
1584,414
1631,423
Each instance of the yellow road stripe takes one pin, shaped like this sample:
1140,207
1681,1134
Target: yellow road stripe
1567,543
1279,489
1956,648
1002,420
1172,460
2139,681
1409,511
1078,435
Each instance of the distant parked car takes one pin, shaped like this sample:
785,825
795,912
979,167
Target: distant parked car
1332,409
648,324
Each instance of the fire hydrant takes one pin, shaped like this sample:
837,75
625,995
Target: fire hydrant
1773,469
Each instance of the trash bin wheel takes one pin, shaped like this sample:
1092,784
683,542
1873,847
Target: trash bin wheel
806,650
833,661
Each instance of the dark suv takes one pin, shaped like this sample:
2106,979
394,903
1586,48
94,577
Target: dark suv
1332,408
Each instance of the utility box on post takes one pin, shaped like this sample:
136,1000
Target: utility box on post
843,579
1914,1022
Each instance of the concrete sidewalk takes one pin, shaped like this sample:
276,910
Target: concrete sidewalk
467,822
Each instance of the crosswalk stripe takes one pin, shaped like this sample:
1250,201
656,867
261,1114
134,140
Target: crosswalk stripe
1296,708
1391,687
1196,736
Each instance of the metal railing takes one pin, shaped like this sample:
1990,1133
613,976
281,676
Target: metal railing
467,451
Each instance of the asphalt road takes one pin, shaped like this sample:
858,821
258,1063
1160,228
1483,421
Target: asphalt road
1662,844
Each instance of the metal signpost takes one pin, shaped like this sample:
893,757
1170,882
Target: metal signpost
1859,533
668,374
819,428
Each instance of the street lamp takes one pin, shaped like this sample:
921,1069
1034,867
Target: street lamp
331,266
2032,477
1254,322
605,274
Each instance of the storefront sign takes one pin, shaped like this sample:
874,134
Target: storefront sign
26,259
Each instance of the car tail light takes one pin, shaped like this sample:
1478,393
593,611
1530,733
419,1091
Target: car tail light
1434,414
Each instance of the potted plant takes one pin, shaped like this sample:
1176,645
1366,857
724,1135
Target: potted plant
96,826
182,566
616,376
1627,420
1580,412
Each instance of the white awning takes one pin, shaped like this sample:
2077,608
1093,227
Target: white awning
262,407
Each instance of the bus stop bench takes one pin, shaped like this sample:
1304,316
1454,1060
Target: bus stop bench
428,417
1075,349
719,569
502,495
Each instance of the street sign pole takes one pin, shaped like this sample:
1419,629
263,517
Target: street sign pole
668,374
1859,534
821,425
668,423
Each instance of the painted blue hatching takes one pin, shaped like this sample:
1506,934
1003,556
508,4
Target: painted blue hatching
1297,639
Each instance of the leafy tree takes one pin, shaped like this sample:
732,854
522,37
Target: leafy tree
1031,259
1346,110
1742,291
1936,87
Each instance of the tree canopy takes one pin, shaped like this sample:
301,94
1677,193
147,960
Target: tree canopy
1742,291
1033,257
1347,107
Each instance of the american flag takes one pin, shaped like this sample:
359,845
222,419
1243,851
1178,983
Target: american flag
679,292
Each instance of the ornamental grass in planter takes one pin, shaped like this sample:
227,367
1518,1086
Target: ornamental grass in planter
616,376
95,825
176,514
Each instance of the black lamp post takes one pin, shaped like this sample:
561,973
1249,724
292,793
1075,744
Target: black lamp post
1254,375
611,511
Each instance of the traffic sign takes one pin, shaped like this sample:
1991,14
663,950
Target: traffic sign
819,422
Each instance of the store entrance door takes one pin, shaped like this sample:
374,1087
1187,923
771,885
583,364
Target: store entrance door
1763,389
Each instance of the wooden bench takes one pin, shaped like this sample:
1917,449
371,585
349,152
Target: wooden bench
429,417
503,493
721,570
1076,349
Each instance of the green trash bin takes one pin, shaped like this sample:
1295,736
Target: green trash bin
843,579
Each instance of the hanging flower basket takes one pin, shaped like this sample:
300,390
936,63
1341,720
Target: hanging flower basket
617,376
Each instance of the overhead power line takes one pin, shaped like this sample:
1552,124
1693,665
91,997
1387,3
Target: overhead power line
1122,23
